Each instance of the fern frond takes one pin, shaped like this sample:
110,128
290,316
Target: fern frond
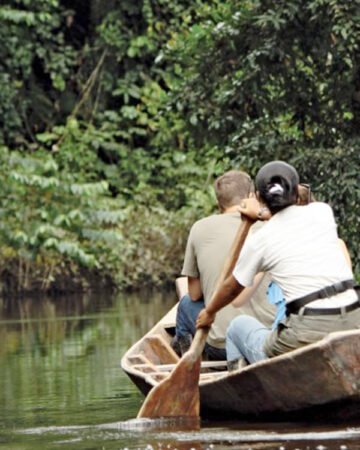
35,180
108,217
109,236
17,16
74,251
89,189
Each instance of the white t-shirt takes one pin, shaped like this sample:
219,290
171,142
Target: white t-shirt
299,247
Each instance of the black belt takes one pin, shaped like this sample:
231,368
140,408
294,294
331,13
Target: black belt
330,311
294,306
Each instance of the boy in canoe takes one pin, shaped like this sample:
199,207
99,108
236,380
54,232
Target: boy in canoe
299,247
208,245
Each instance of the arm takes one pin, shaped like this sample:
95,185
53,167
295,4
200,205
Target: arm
188,285
190,269
195,290
227,292
252,208
182,288
346,252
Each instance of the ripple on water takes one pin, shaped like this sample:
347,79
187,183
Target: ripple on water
146,434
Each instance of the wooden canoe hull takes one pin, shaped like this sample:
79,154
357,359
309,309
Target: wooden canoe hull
320,374
323,377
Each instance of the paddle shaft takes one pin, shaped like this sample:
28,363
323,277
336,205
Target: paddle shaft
178,394
236,247
201,334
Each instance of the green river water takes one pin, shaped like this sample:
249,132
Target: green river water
61,385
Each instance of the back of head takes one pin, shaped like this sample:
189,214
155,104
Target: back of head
277,184
232,187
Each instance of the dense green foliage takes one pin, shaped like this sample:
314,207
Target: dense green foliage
116,117
281,80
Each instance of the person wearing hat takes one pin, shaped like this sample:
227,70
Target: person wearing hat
299,247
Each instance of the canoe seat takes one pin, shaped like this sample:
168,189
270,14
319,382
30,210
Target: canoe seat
157,377
137,359
145,368
206,366
157,350
212,376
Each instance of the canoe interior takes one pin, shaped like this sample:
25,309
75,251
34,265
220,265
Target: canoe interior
152,358
321,379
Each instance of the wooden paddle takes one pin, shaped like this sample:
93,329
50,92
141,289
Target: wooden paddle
178,395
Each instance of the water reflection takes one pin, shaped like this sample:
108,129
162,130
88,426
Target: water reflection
61,385
59,359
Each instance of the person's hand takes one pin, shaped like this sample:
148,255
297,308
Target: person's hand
204,319
252,208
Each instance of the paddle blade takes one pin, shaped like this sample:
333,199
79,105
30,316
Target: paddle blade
178,394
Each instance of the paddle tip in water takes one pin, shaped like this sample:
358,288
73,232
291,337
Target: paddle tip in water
181,423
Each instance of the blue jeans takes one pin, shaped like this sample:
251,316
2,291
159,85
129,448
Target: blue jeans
245,338
186,316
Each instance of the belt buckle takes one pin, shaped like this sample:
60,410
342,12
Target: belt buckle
328,291
339,287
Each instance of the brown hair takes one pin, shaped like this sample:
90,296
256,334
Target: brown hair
232,187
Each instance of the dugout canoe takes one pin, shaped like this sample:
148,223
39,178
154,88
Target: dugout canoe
318,381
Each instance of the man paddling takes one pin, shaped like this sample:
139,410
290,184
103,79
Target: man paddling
299,247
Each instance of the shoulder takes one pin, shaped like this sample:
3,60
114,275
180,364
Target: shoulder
205,221
308,215
257,236
320,208
203,224
257,226
216,219
312,209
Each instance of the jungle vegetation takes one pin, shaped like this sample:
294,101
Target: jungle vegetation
116,116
